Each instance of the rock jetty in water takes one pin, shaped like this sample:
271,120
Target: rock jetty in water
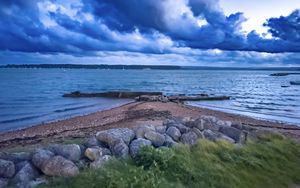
147,96
284,73
111,94
295,82
31,169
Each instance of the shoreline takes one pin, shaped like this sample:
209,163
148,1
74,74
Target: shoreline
251,114
128,115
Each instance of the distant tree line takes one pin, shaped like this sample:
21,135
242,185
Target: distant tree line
140,67
76,66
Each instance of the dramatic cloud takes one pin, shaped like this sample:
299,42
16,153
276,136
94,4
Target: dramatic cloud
178,27
286,28
194,23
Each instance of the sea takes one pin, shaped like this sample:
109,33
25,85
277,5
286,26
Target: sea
33,96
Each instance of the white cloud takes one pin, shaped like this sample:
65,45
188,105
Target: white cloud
258,11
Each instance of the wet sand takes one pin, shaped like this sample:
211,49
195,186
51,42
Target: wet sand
129,115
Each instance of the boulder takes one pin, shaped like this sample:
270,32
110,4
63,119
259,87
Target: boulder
157,139
226,138
237,125
16,157
210,122
188,121
189,138
137,144
120,150
174,133
243,127
112,136
210,135
209,118
161,129
25,175
7,169
105,151
198,132
40,157
20,165
59,166
198,123
222,123
140,131
169,142
92,141
69,151
95,153
100,162
3,182
176,123
233,133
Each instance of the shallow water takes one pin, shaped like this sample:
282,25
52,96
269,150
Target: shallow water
32,96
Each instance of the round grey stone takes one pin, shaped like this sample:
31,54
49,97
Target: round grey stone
92,141
174,133
25,175
169,142
178,125
140,131
112,136
69,151
210,135
120,150
198,132
233,133
189,138
136,145
157,139
93,153
96,152
40,157
59,166
161,129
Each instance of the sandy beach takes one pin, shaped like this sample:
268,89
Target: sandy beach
129,115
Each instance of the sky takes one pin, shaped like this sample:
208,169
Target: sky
152,32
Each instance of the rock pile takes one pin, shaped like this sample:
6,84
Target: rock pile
179,98
29,169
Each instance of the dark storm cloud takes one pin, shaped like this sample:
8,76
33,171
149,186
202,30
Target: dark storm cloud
286,28
177,20
147,26
286,33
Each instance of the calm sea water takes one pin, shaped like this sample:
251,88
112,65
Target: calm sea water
33,96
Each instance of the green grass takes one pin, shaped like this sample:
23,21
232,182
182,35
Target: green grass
270,162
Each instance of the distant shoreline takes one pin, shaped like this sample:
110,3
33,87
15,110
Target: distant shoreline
145,67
